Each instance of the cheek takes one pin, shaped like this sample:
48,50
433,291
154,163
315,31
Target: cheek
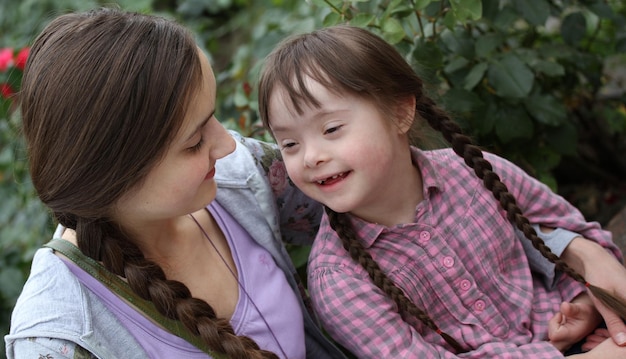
294,170
183,178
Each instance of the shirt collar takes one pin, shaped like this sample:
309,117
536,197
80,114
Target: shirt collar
432,180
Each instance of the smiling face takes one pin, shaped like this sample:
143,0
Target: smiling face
344,153
182,182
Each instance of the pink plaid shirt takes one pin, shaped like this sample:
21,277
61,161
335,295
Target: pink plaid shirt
460,261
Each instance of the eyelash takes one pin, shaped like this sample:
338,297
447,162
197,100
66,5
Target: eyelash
332,129
195,148
329,131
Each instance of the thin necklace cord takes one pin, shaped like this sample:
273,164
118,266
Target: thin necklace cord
239,284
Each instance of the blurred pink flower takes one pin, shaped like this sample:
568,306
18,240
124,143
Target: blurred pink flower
6,58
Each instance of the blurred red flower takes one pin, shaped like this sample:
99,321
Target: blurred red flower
6,91
21,57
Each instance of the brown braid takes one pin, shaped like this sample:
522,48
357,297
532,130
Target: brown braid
171,298
473,157
350,242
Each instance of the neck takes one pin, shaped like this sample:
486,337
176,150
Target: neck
397,202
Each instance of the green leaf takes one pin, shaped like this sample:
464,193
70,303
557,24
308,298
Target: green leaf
484,121
467,9
240,99
459,42
428,54
615,119
433,9
490,9
393,31
505,18
390,8
323,4
455,65
546,109
487,43
362,19
459,101
402,11
573,28
331,19
549,68
421,4
475,75
513,123
510,77
536,12
602,10
449,20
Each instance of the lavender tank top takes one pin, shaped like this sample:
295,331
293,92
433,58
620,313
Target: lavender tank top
279,329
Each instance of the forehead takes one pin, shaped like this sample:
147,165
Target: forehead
304,93
202,101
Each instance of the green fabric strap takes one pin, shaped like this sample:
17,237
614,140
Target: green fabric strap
117,285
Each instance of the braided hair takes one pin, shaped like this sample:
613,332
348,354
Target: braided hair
354,60
104,93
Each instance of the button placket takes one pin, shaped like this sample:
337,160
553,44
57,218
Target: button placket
448,261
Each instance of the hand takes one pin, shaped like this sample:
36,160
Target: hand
607,349
594,339
572,323
595,263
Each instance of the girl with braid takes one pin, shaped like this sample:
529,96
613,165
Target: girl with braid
151,191
423,254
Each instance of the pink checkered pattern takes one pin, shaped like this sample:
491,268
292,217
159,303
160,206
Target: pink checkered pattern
460,261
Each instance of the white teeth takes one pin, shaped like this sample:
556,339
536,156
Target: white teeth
332,177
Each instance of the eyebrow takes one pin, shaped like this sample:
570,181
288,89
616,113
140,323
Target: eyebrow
200,126
318,115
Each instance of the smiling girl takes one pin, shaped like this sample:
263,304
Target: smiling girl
415,258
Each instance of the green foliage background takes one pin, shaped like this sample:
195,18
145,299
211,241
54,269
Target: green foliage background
540,82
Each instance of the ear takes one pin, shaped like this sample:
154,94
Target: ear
405,114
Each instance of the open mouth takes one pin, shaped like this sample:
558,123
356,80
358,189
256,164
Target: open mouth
333,179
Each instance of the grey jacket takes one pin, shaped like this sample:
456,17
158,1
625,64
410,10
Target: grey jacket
253,187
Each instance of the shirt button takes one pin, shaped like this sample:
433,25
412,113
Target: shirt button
424,236
479,305
465,285
448,262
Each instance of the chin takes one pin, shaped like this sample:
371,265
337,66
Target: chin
339,208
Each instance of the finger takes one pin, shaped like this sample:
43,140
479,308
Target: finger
553,326
602,332
587,346
570,309
614,323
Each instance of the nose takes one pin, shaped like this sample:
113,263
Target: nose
224,143
314,155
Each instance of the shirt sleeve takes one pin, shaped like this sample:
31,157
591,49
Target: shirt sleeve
46,348
370,326
557,241
544,207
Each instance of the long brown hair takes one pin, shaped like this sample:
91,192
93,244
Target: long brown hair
353,60
104,93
